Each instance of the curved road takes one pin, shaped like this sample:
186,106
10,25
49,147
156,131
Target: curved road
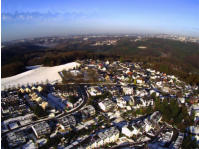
83,94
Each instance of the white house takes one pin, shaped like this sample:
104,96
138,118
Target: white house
153,91
102,138
93,91
166,138
106,105
130,130
148,125
127,90
139,81
182,100
194,130
159,83
121,103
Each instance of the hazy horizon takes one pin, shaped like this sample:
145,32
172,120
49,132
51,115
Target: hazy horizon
27,19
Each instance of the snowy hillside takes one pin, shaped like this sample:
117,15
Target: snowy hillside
38,75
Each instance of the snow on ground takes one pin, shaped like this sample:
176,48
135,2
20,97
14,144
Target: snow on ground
33,67
29,145
38,75
19,118
13,125
56,102
42,141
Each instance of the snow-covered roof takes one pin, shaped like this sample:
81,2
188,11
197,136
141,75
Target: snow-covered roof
194,129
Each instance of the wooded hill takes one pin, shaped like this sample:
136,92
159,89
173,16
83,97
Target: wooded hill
172,57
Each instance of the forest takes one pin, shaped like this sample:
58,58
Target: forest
169,56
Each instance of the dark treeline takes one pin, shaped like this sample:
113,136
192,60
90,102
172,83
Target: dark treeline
49,58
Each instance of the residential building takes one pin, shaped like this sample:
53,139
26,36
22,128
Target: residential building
106,105
130,130
88,112
155,117
67,121
102,138
41,129
16,138
178,141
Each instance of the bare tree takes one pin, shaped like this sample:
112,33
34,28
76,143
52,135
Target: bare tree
5,88
9,86
47,81
18,85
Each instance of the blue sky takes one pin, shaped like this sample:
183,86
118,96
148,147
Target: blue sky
33,18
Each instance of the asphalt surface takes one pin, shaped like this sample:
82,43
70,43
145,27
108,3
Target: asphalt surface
82,93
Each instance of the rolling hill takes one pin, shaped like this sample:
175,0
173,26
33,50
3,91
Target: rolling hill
170,56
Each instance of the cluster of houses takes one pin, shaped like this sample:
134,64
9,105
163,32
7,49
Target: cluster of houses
69,122
141,126
61,99
36,98
28,137
94,91
12,104
16,122
106,105
88,112
64,93
42,129
15,112
134,99
105,42
165,141
121,88
52,102
29,89
16,138
133,73
101,138
33,96
140,84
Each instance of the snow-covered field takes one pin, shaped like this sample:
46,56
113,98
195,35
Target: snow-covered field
33,67
38,75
